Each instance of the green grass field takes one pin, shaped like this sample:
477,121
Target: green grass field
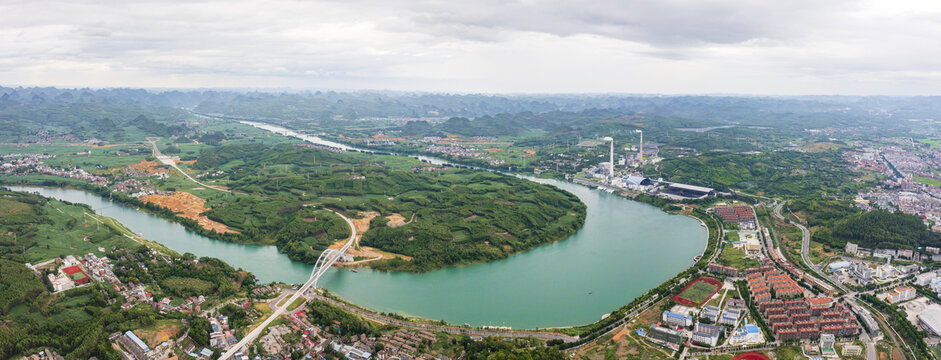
733,257
68,233
732,236
181,286
928,181
698,292
933,142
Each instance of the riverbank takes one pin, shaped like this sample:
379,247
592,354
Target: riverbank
703,219
480,294
618,237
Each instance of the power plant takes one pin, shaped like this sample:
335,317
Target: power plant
641,148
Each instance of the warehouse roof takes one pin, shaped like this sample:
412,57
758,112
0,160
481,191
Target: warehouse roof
931,319
691,187
137,340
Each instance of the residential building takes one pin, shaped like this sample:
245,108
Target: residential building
851,248
710,312
904,254
900,294
675,319
926,278
852,350
867,320
827,341
707,334
723,270
730,316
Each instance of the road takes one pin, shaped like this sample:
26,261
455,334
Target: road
166,160
870,345
251,336
442,328
805,249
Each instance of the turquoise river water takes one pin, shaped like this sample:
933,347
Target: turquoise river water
624,249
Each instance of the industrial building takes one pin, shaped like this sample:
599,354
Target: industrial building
836,266
637,180
931,321
134,345
688,191
664,334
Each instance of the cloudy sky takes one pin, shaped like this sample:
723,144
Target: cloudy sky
529,46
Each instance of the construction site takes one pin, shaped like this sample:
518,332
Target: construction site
188,206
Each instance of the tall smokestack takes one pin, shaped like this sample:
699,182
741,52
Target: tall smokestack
641,146
611,168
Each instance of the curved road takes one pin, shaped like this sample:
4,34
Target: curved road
166,160
805,249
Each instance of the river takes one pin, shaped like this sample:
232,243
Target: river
624,249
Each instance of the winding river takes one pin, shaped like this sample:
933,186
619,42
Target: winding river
624,249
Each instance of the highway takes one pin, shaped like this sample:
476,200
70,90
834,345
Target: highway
166,160
318,272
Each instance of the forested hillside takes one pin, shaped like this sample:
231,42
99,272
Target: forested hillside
788,173
880,229
460,216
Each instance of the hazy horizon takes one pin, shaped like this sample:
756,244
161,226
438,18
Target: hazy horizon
534,47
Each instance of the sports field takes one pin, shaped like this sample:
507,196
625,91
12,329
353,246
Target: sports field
697,292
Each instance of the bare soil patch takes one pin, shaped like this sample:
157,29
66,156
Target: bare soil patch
396,220
188,206
149,167
159,334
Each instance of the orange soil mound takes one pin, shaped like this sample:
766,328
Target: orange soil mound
188,206
160,334
493,150
529,152
150,167
396,220
185,161
362,225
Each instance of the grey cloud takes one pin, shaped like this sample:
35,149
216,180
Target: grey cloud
665,23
